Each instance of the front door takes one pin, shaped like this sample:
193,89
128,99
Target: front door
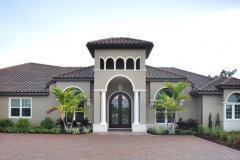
120,111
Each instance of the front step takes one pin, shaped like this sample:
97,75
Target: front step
119,130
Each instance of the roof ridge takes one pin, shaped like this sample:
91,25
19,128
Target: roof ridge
58,75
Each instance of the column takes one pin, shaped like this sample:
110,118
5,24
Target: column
136,108
103,108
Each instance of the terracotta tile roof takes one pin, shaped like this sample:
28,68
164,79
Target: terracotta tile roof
83,73
34,78
119,43
29,77
196,79
162,75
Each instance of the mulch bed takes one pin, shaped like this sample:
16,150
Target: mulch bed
212,139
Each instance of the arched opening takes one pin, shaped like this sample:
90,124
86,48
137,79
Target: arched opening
101,63
110,63
232,108
120,63
138,64
119,100
77,116
130,64
161,114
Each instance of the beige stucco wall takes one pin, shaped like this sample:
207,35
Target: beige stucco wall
40,105
85,86
211,103
135,80
192,105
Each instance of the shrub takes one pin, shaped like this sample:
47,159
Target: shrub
219,133
55,130
85,130
75,131
201,129
189,124
237,140
5,123
23,125
187,132
47,123
210,121
160,130
231,137
217,121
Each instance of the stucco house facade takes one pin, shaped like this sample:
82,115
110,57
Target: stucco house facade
121,89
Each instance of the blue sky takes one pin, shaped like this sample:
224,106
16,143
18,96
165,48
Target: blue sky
201,36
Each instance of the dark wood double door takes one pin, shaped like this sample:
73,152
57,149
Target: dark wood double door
120,111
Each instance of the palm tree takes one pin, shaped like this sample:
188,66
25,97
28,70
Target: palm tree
68,101
171,103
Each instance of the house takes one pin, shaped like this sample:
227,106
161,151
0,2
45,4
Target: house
121,89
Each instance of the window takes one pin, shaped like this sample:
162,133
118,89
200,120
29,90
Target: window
138,64
161,114
78,116
101,63
130,63
110,63
120,63
232,107
20,107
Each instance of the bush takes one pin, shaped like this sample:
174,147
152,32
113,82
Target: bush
210,121
23,125
217,121
5,123
85,130
201,129
189,124
187,132
47,123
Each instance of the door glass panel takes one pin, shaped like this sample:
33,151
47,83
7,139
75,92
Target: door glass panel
125,110
114,115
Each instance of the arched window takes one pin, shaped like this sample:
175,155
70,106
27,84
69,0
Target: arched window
120,63
78,116
110,63
232,108
130,63
161,114
138,64
101,63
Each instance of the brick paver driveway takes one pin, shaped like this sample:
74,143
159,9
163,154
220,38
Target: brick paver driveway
110,146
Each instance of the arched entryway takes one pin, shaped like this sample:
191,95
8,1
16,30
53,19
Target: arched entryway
120,111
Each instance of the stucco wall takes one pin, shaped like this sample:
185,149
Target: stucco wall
40,105
192,105
211,103
85,86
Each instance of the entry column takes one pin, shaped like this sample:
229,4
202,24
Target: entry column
136,108
103,108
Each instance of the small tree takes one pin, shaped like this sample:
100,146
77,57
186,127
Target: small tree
210,121
217,121
68,101
225,73
171,104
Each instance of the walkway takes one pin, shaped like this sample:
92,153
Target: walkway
110,146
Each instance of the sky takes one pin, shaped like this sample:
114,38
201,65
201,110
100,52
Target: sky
200,36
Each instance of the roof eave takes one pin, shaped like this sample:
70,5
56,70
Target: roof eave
228,86
205,93
92,47
24,93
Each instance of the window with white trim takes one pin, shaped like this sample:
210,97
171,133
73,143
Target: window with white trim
77,116
232,108
161,114
20,107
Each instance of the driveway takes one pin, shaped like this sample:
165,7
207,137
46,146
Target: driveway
110,146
